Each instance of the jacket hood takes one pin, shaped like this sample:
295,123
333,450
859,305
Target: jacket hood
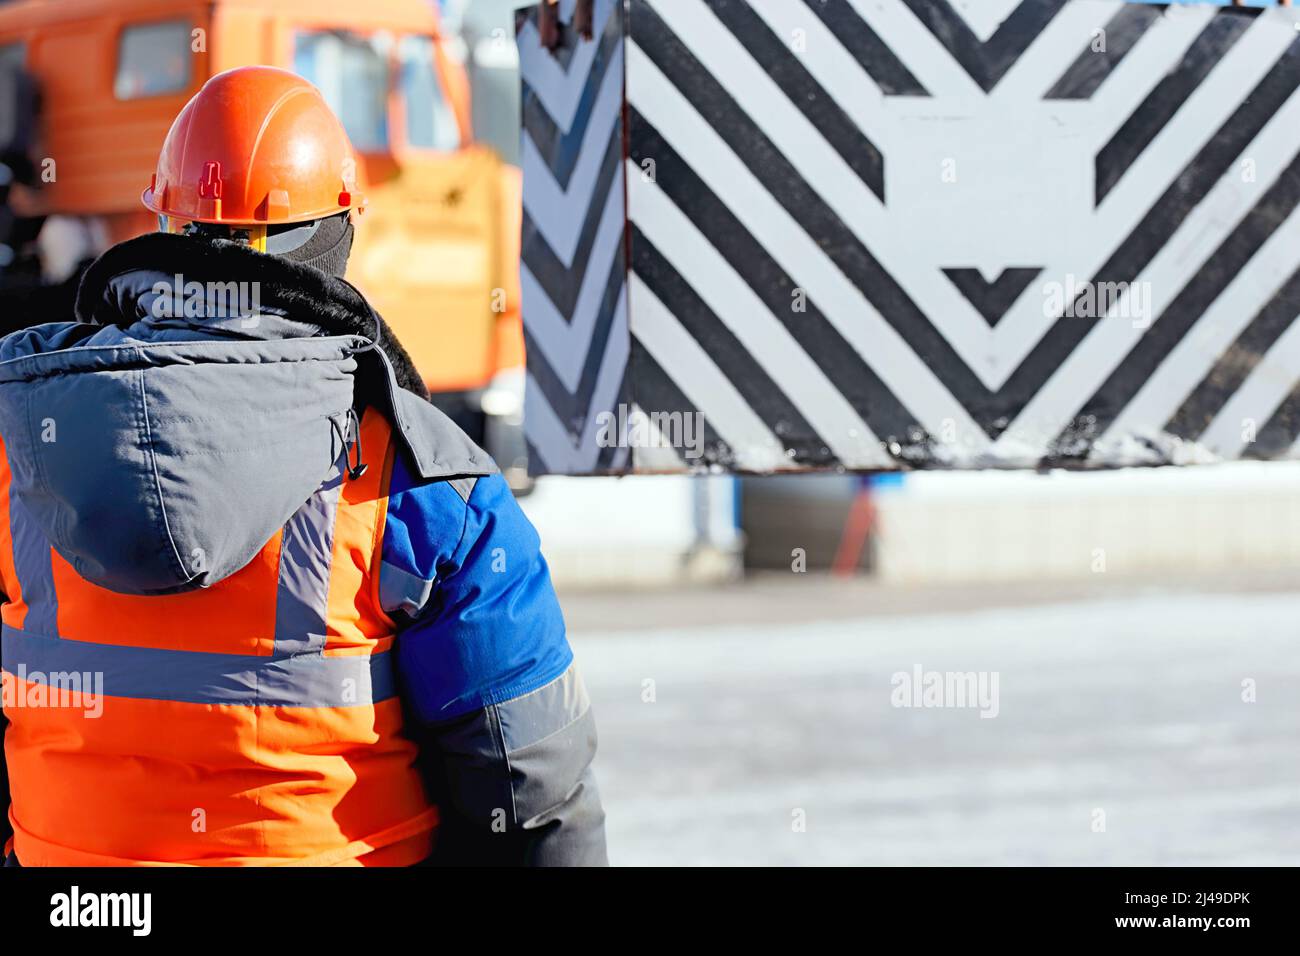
204,394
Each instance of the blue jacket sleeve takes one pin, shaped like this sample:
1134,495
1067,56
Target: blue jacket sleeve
488,679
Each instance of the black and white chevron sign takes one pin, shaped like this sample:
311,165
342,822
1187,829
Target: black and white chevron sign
872,234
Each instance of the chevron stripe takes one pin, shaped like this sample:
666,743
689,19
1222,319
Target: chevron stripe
573,272
602,92
568,377
545,196
554,80
986,62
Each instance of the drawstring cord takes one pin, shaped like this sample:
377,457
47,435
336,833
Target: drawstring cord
354,426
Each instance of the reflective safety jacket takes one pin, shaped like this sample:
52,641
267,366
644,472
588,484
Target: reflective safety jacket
246,625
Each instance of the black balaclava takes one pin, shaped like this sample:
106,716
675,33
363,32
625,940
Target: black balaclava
324,244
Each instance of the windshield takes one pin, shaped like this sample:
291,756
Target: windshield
351,72
430,122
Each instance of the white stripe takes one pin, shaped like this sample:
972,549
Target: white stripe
1221,94
560,92
845,307
1089,364
550,436
565,344
559,213
1206,342
762,335
704,384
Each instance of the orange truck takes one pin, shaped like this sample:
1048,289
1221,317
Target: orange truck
436,251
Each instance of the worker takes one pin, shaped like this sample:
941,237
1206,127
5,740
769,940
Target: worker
264,604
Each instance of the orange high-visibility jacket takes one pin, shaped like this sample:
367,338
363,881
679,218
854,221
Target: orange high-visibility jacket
209,732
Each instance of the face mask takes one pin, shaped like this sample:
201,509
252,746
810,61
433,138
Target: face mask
326,249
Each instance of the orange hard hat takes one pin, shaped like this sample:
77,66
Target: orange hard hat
256,146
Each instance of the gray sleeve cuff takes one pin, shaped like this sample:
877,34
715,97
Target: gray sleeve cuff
516,782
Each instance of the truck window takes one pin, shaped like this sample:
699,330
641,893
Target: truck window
351,72
153,59
430,122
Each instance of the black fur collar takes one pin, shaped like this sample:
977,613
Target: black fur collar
304,293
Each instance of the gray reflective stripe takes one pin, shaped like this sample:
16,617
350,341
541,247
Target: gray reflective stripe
400,590
306,556
146,673
547,710
34,570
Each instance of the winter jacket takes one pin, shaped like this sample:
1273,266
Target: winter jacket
341,651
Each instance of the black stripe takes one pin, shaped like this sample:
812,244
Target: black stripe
1092,67
574,408
987,62
563,150
829,350
750,379
1164,217
805,206
1160,105
864,45
1279,432
804,92
1238,361
562,285
653,389
1219,269
992,299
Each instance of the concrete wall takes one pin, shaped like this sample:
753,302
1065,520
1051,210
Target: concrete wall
1008,526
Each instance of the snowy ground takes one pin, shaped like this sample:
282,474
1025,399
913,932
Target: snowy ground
772,703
